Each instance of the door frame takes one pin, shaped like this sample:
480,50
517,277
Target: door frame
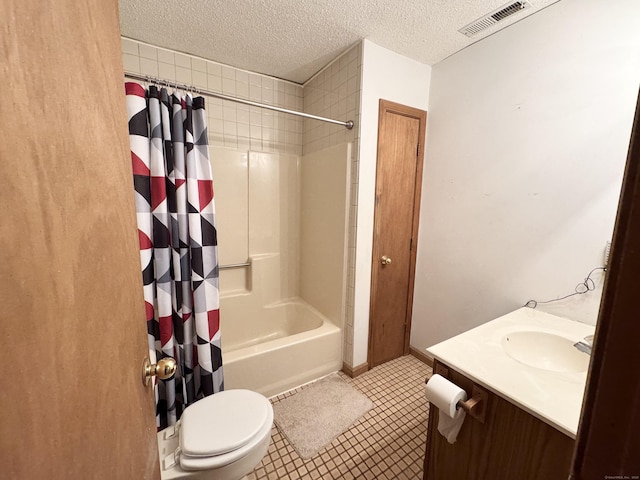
608,444
387,106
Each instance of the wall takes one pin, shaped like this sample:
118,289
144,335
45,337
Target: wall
274,219
258,219
335,92
232,215
231,124
389,76
324,224
526,143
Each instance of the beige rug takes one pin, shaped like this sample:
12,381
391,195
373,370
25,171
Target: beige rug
317,414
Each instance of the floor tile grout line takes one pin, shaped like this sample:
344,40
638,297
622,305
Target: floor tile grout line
396,386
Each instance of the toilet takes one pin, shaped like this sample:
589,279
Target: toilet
221,437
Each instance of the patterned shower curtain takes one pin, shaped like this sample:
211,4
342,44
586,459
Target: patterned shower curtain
178,242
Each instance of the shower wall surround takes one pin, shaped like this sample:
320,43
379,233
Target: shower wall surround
258,215
243,138
335,92
324,225
282,316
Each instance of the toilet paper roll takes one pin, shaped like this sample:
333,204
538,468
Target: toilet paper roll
445,395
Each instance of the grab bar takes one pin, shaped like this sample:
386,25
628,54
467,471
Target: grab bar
234,265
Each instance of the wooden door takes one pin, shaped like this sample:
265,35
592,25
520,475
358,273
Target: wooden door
401,132
73,322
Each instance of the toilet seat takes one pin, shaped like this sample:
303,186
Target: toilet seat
243,419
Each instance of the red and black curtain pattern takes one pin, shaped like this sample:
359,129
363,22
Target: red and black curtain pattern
178,242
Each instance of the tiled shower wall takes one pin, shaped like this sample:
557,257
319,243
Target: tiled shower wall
333,92
231,124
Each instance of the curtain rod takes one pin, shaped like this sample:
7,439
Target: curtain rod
145,78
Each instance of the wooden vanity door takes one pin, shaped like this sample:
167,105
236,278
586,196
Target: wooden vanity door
510,444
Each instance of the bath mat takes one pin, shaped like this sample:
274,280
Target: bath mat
314,416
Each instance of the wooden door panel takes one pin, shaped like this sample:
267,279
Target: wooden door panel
398,179
510,444
74,334
394,197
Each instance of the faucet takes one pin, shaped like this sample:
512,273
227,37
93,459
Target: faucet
585,344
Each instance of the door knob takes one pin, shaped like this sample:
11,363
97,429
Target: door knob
385,260
164,369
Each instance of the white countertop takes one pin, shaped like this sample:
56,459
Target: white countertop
553,397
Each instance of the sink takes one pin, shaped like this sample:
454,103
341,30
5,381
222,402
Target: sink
545,351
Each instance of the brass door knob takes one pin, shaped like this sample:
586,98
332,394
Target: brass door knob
385,260
164,369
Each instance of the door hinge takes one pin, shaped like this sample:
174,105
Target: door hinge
418,150
410,244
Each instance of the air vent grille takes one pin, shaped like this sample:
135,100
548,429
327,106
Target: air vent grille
507,11
494,17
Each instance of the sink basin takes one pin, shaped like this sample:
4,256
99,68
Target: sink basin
545,351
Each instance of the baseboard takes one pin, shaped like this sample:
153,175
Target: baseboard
353,372
423,357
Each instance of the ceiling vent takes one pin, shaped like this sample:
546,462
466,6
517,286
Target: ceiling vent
494,17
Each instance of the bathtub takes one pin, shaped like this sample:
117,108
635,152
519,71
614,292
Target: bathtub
277,347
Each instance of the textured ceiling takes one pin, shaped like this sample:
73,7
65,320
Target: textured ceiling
293,39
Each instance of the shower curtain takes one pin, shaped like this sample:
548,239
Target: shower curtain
178,242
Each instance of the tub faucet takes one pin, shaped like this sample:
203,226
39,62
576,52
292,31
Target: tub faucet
585,344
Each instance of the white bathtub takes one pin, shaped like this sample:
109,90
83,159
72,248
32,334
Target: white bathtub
277,347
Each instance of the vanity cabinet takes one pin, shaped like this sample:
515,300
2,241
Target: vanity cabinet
510,444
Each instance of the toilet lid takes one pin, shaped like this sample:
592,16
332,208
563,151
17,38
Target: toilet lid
222,422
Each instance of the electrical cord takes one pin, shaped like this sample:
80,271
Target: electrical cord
587,286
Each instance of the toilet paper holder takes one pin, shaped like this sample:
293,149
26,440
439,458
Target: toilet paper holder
475,406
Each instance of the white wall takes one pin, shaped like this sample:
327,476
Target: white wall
390,76
527,138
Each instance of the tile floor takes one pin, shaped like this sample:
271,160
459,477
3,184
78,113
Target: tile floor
387,443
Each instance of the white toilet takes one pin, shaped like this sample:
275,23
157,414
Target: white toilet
221,437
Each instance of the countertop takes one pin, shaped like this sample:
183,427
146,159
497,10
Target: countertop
553,397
